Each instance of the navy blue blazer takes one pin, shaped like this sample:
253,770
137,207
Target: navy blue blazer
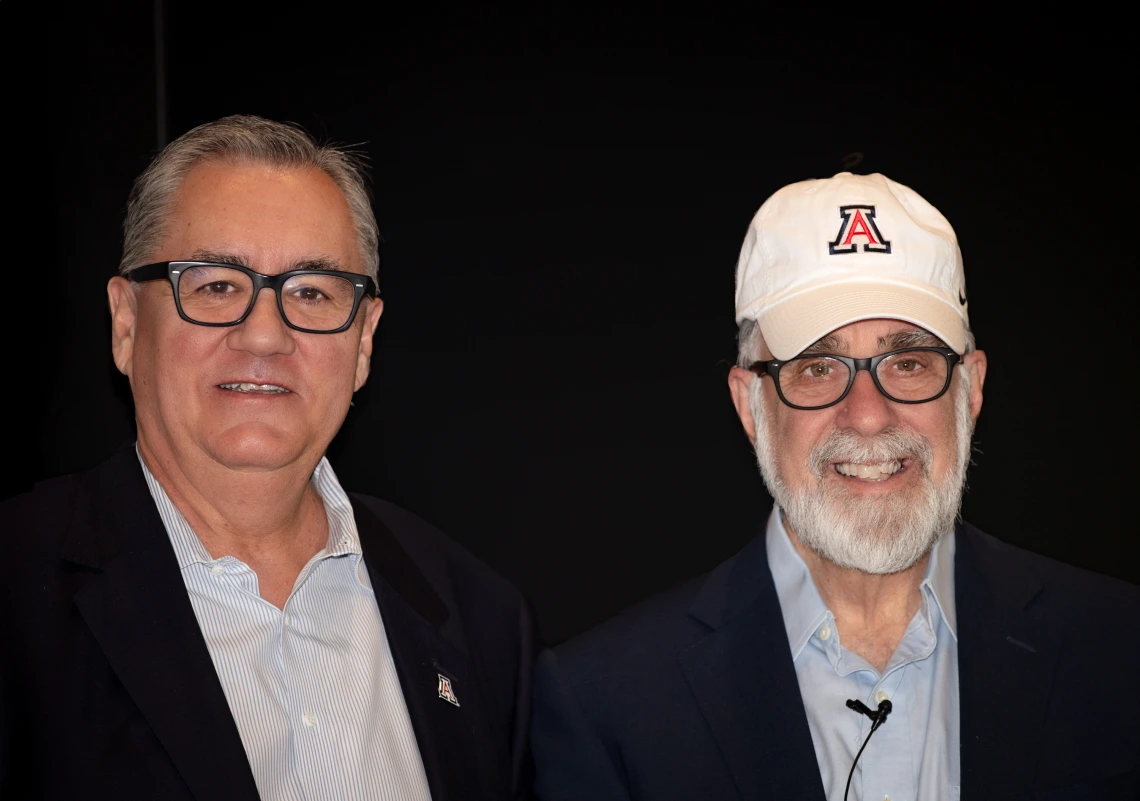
107,689
693,695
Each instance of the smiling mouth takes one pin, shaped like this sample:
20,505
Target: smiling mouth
869,472
262,389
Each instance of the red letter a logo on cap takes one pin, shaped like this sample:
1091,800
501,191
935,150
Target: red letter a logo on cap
859,227
858,224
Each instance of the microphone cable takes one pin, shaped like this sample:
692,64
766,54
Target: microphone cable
878,718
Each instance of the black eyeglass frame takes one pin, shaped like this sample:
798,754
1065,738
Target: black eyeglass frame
361,284
772,367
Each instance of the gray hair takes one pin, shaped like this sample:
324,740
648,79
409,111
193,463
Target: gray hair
243,138
749,341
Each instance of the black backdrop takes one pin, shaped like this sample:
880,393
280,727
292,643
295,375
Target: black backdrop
563,199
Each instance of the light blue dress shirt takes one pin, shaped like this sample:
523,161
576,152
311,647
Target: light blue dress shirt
914,755
312,687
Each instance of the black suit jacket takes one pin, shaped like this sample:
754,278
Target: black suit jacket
107,689
693,695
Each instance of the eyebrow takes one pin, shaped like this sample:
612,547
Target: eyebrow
911,338
899,340
829,343
221,257
317,264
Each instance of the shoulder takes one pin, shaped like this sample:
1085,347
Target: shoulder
611,679
1093,620
42,502
444,562
1062,587
1077,638
663,627
36,521
645,634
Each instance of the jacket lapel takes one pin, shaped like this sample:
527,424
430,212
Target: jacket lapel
744,681
428,646
138,610
1006,662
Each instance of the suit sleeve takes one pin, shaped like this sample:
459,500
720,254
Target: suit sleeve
571,762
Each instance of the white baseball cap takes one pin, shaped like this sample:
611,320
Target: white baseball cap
825,253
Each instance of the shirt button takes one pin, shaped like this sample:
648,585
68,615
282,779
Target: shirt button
218,570
310,719
881,696
825,633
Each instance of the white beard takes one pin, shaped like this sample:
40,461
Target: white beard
879,535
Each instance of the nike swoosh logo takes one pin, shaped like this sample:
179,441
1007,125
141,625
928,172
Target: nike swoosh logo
961,298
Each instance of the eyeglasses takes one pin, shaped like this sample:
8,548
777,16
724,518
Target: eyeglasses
213,294
819,380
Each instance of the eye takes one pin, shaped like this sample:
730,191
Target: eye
909,364
217,288
817,369
308,293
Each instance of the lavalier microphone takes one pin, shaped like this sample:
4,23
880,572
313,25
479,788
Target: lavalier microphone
874,714
878,718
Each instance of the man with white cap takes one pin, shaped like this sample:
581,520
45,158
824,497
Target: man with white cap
864,607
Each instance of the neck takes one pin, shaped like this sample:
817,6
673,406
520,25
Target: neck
273,520
871,611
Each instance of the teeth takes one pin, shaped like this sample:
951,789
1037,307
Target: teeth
872,472
246,387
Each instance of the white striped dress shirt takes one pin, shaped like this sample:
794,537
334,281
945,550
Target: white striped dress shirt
312,687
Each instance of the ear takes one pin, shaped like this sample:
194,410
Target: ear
364,355
975,363
124,315
739,385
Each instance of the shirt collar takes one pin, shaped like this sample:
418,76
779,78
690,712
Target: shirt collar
803,608
940,580
188,549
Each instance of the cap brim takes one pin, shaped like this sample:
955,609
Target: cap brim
792,325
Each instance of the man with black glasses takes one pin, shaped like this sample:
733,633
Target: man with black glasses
208,615
864,607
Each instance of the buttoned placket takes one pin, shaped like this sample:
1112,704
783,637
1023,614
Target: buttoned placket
311,731
885,769
317,734
311,727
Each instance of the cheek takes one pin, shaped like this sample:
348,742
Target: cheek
174,362
329,364
186,355
939,428
161,347
794,434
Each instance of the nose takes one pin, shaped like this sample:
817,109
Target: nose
263,332
865,410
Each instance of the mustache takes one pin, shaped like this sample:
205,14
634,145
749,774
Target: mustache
893,443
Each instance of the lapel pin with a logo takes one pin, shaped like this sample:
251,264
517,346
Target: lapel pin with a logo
445,690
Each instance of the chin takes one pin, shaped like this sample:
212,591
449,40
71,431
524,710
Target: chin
256,447
877,534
